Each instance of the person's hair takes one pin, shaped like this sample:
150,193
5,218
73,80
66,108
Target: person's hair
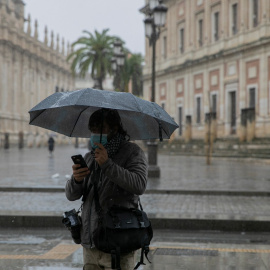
111,117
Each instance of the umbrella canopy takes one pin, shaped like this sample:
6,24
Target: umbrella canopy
68,113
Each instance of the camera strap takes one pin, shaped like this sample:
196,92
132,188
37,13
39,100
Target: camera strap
87,189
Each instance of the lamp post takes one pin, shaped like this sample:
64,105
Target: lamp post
117,62
156,18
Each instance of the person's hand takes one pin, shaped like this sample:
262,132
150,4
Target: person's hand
101,155
79,173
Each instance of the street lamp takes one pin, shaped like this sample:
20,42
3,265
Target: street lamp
117,61
155,13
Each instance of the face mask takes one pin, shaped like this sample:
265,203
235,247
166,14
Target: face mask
95,138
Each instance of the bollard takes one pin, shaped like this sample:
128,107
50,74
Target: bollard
243,126
21,144
6,141
188,131
250,124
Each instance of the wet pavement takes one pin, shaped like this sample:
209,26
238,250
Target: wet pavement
227,205
35,168
52,249
188,189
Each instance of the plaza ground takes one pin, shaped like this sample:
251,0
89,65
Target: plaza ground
204,217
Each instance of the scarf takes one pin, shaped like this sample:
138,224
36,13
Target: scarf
113,145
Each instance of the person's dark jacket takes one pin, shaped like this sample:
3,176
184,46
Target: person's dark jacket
51,144
123,179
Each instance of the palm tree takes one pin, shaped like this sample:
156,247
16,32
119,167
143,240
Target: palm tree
135,66
131,71
94,53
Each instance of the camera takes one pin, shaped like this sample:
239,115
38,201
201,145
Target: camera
72,221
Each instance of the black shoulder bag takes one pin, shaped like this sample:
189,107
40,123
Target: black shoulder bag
121,230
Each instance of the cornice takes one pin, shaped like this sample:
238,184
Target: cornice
36,57
212,57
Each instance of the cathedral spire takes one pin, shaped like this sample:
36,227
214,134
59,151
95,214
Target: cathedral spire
52,41
29,25
57,42
68,49
46,35
36,30
63,46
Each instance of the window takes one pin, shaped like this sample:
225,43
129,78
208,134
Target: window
252,98
255,13
198,114
163,106
200,33
164,52
234,19
216,26
180,120
214,103
56,89
182,40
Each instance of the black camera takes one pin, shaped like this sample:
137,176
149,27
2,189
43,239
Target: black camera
72,221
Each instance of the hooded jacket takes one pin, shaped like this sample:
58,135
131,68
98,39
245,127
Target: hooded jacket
123,178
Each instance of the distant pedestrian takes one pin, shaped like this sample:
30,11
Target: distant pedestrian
51,145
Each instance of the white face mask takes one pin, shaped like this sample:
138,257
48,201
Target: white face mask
95,138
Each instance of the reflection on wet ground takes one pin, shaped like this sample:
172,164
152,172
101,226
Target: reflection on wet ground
35,167
52,249
44,249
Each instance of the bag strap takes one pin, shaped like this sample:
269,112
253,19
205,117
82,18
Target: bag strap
96,178
144,251
139,202
115,261
87,190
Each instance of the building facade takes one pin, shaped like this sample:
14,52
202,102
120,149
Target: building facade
213,56
30,70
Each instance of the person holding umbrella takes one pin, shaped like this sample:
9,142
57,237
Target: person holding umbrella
123,177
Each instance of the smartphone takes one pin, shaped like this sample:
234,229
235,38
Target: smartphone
78,159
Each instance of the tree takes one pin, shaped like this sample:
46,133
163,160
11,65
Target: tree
94,53
135,63
131,71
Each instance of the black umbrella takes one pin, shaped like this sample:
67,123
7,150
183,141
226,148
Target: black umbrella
68,113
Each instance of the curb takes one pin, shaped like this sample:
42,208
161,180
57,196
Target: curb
32,189
150,191
157,223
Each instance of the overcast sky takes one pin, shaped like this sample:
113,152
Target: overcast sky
69,18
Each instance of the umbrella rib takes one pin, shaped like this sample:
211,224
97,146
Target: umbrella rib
161,127
165,132
36,116
138,105
77,121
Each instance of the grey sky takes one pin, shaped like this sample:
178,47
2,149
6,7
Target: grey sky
69,18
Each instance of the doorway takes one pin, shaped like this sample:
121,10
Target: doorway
232,98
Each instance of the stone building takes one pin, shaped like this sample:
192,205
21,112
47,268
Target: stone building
214,56
30,70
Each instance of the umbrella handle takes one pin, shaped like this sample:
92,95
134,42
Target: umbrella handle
102,110
160,131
